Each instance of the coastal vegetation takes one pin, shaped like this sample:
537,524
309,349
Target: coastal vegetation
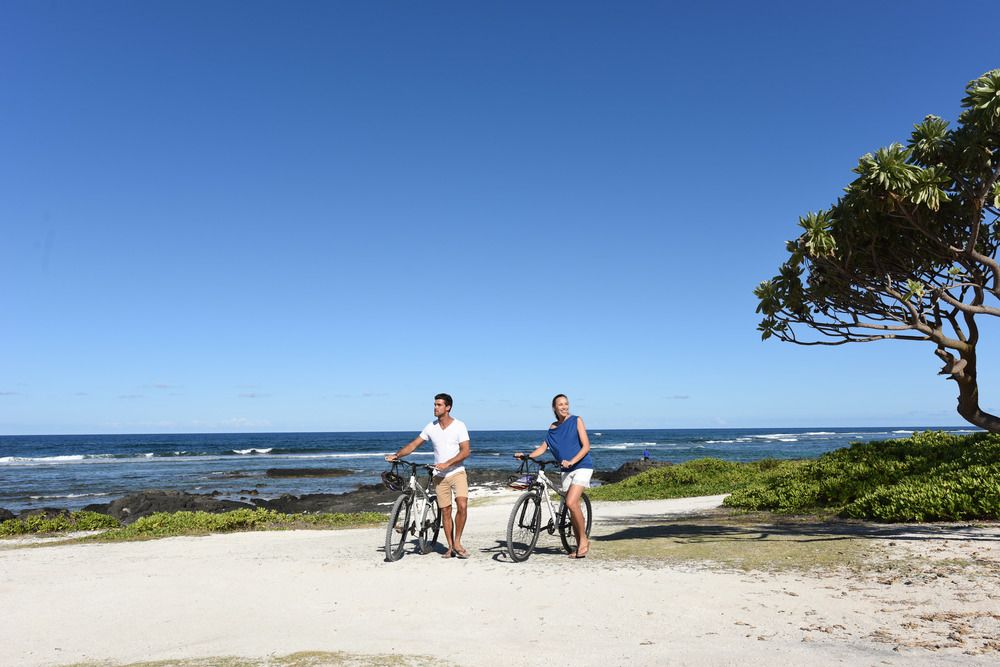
909,252
929,476
172,524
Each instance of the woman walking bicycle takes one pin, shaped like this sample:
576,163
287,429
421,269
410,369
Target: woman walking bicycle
567,438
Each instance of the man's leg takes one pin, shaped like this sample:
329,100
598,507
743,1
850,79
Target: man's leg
460,482
576,518
443,491
461,514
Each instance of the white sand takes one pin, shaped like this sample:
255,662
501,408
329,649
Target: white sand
276,593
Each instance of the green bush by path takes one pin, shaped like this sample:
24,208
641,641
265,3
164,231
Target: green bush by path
57,524
700,477
184,523
930,476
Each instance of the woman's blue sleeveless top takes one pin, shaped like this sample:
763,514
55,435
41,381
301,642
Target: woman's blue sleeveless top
564,443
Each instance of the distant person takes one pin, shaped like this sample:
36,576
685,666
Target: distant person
450,438
567,438
645,455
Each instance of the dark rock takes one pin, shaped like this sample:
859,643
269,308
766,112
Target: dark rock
100,508
44,512
368,498
308,472
249,492
144,503
628,469
6,515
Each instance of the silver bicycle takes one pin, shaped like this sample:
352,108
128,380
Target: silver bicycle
525,523
415,512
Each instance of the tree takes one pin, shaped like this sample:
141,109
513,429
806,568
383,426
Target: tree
909,252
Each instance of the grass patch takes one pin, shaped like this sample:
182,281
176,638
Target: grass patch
40,525
202,523
302,659
174,524
700,477
741,541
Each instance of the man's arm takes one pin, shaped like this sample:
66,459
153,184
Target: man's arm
408,449
463,453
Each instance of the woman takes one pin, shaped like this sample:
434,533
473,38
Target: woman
567,437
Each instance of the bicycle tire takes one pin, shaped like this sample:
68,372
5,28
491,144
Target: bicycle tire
430,526
566,534
524,525
399,526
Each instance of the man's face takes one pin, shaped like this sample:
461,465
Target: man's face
440,409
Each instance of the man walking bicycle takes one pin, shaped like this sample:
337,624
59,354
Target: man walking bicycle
450,438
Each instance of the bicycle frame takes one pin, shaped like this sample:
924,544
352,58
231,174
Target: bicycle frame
525,522
414,514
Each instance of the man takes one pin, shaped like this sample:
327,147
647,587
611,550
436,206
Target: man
450,438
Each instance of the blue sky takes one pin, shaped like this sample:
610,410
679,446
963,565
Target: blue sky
313,216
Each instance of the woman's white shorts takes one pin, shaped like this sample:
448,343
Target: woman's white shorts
580,477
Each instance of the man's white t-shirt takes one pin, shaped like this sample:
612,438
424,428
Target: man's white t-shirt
446,442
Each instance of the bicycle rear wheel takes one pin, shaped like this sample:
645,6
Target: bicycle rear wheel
399,526
566,534
523,526
430,526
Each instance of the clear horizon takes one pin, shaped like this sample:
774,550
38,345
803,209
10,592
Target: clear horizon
254,217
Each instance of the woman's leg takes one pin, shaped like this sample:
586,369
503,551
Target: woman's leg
576,518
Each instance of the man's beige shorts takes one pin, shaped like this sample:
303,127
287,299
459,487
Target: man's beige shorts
459,483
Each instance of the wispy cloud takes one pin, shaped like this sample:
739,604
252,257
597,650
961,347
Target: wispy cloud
254,395
9,393
677,397
130,396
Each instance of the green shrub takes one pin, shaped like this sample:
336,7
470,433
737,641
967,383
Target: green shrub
930,476
700,477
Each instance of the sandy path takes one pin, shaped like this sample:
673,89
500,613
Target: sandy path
255,594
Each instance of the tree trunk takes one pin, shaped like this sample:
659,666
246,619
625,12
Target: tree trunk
968,394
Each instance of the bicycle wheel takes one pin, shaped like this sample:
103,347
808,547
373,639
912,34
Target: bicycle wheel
566,534
430,526
524,525
399,526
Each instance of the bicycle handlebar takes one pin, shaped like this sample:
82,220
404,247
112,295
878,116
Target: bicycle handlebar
413,466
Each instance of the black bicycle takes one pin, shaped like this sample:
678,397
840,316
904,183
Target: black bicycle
525,523
415,512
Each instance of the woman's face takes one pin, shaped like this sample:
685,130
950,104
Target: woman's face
561,407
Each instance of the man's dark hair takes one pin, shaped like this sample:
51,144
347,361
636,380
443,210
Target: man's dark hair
444,397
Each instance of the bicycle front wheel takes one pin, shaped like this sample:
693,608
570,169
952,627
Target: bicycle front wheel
523,526
566,534
430,526
399,526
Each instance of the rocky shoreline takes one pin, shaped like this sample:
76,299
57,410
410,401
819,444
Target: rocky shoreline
366,498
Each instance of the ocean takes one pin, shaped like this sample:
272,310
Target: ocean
76,470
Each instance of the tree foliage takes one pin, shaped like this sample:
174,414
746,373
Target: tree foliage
909,252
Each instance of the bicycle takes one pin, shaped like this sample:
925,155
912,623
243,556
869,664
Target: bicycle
413,502
525,523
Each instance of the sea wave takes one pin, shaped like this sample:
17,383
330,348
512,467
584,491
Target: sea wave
267,450
70,495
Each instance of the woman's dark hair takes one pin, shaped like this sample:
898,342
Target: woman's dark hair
444,397
556,398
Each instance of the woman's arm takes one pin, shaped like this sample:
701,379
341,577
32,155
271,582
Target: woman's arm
541,449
